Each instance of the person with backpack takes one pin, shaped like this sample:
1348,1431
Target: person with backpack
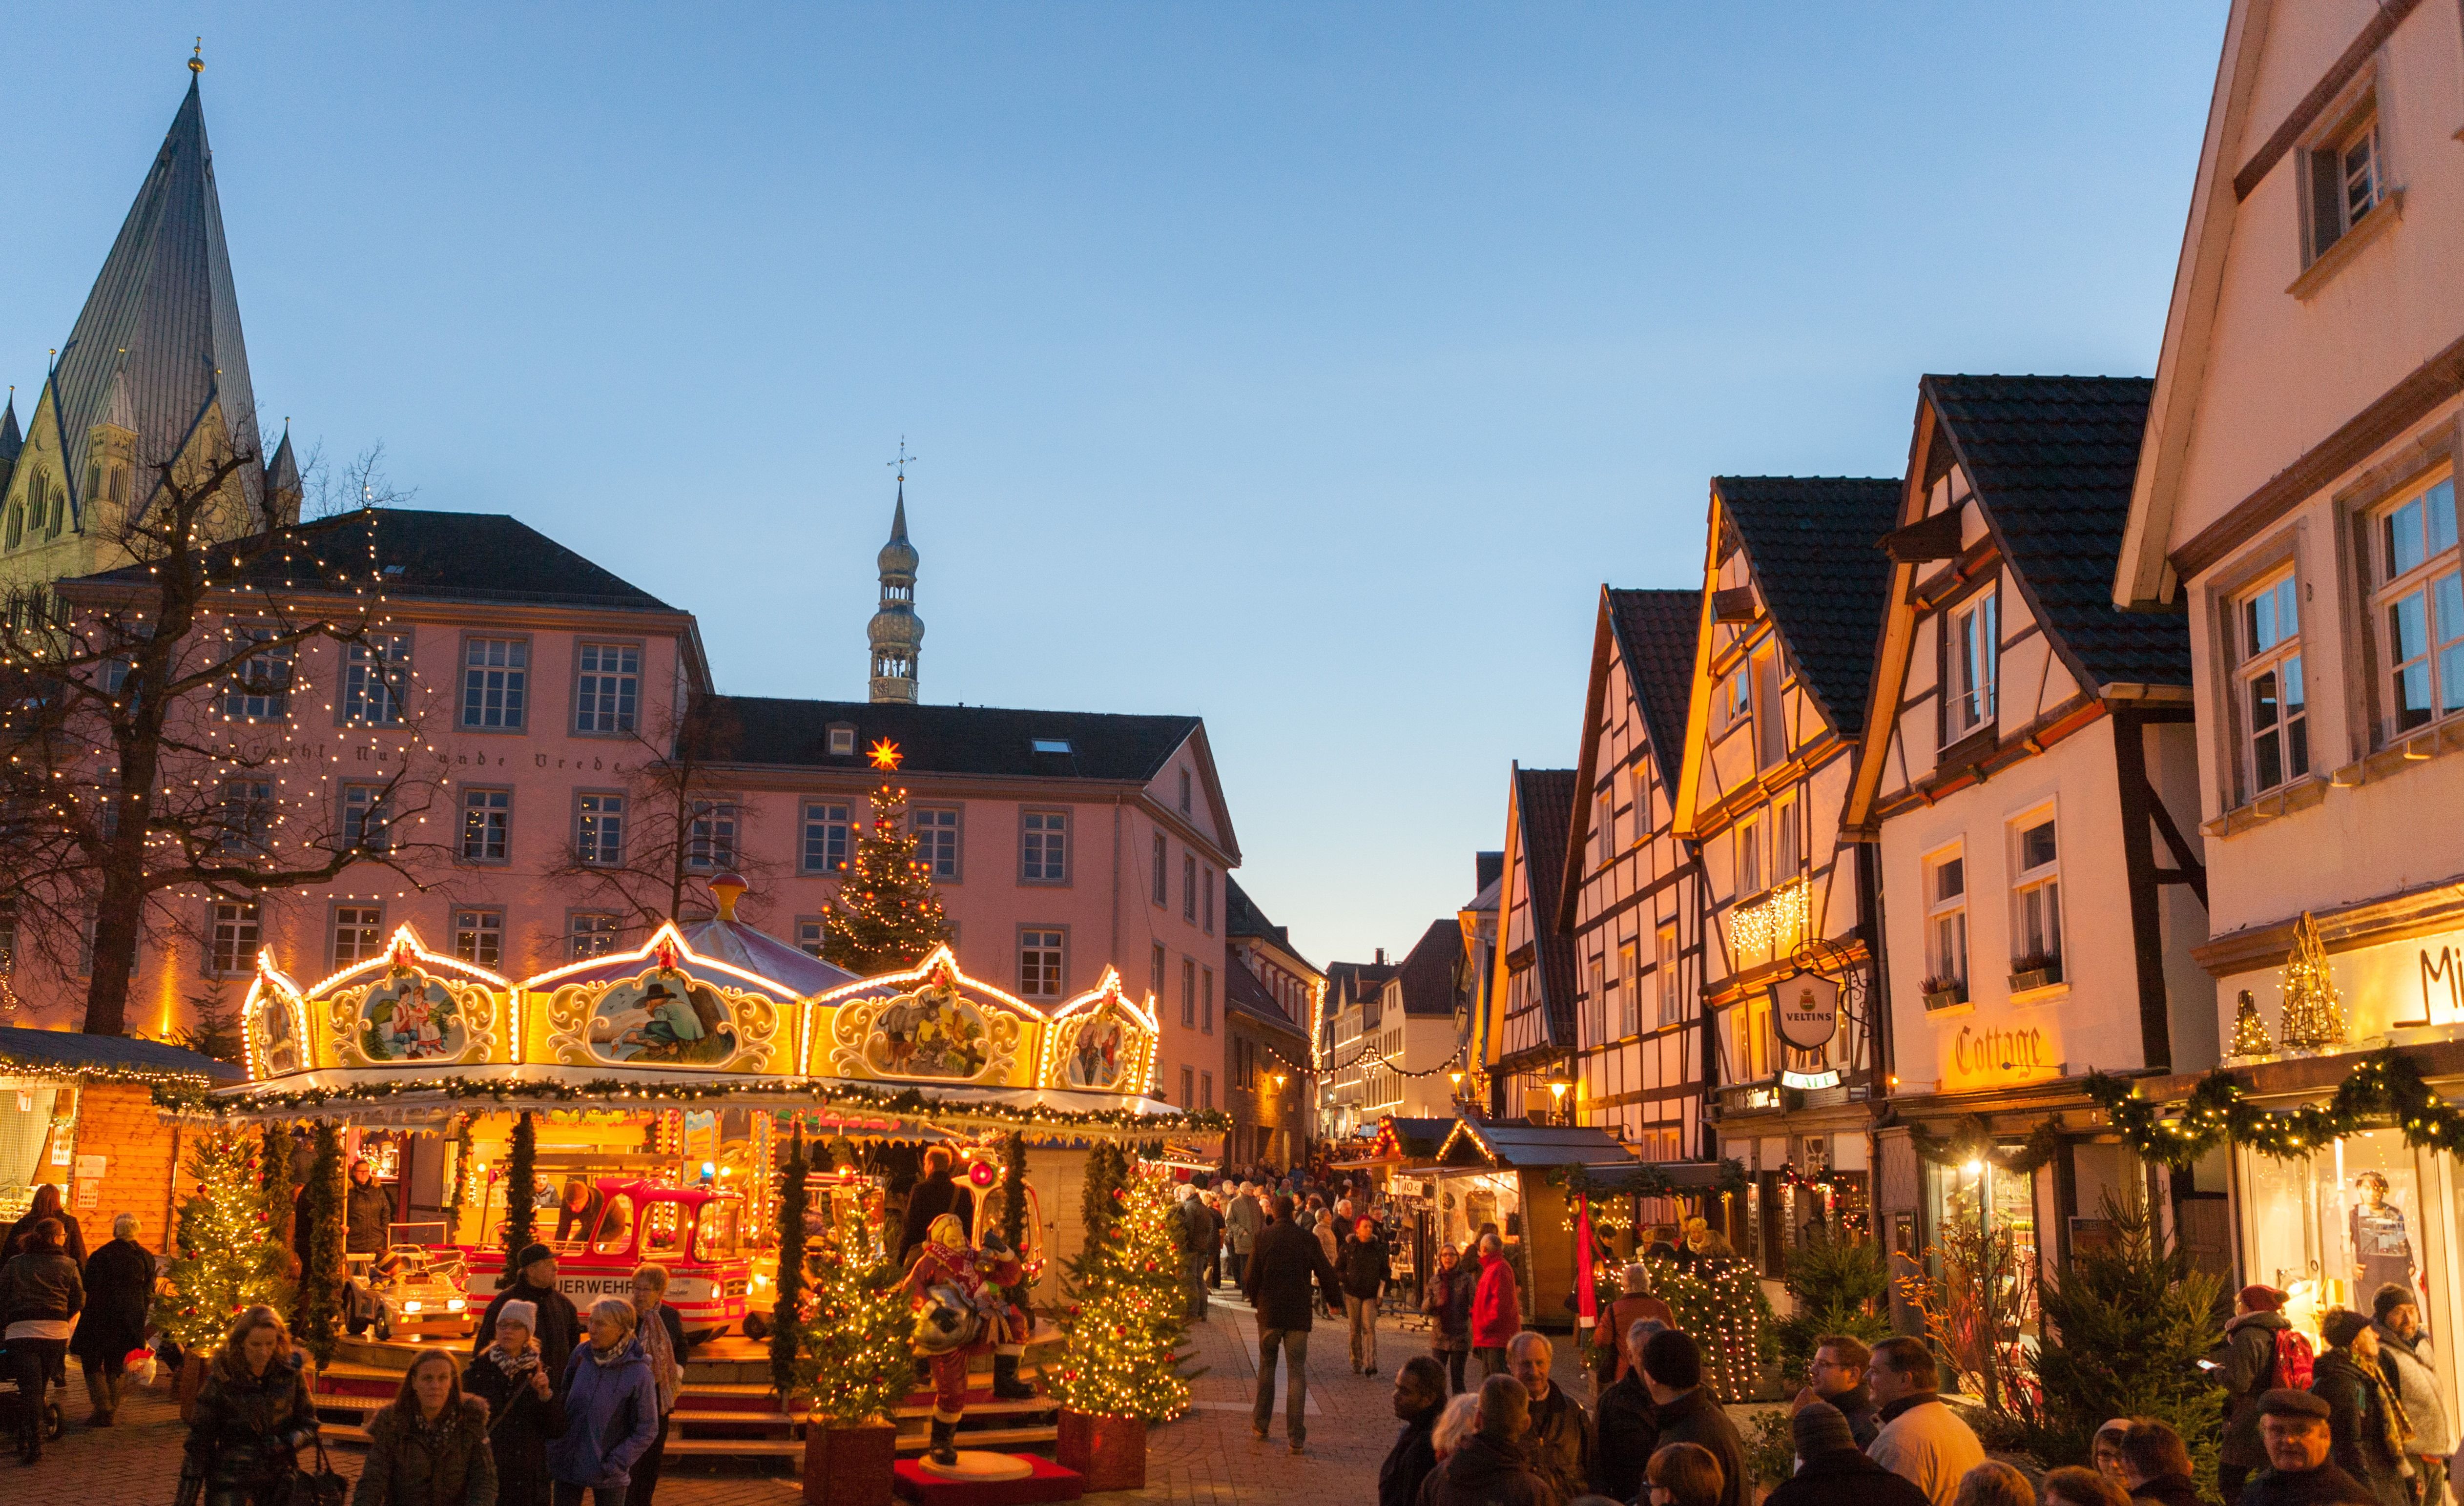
2261,1351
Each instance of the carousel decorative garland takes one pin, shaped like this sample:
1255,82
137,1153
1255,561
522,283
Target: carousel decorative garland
2384,1091
183,1100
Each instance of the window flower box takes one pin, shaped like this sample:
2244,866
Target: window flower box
2039,971
1944,992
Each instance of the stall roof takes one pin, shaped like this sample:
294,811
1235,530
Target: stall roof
1522,1145
1656,1178
67,1052
1422,1139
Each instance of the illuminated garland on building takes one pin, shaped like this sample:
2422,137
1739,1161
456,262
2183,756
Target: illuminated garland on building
1720,1303
82,1072
1787,913
1972,1144
2384,1091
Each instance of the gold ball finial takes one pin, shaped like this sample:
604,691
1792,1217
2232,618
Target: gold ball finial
197,59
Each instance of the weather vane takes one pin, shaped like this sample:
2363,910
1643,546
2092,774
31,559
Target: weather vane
902,458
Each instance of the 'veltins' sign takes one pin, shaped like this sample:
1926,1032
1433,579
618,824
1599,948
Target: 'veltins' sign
1804,1010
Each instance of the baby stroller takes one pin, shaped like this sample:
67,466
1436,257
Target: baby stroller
13,1403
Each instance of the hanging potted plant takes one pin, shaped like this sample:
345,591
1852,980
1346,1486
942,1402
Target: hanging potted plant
840,1335
1120,1372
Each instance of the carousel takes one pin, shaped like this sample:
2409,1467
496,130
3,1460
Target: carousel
662,1089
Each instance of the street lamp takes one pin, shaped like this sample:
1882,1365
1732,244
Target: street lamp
1456,1078
1558,1083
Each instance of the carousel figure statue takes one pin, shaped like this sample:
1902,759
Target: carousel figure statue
960,1311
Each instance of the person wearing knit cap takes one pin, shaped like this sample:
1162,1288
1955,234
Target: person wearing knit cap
524,1407
1831,1471
2249,1364
557,1326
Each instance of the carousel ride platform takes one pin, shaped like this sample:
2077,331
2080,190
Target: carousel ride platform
988,1479
726,1408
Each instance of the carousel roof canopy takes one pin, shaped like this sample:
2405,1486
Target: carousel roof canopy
732,942
1519,1145
65,1051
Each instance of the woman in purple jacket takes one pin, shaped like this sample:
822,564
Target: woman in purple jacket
612,1410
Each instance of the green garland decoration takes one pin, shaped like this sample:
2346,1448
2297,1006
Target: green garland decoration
1013,1223
462,1153
786,1318
521,1194
1973,1140
2384,1091
604,1092
274,1190
320,1321
1645,1180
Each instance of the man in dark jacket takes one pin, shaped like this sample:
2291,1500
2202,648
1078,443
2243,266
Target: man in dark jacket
2248,1358
1362,1262
1831,1471
936,1195
367,1213
1672,1368
560,1326
2294,1430
2156,1464
1559,1441
2366,1429
1284,1261
1625,1426
1489,1468
1419,1395
1837,1376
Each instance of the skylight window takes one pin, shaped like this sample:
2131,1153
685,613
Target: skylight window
1050,745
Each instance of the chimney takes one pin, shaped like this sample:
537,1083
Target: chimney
1381,956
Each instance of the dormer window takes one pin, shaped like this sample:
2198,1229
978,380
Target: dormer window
1050,745
842,738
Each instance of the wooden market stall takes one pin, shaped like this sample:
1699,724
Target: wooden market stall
77,1111
1510,1176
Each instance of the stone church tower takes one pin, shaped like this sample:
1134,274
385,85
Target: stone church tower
896,632
154,370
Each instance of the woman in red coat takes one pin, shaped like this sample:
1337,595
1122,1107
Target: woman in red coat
1496,1308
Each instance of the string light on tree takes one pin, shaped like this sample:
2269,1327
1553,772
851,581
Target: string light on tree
886,914
1129,1309
227,1257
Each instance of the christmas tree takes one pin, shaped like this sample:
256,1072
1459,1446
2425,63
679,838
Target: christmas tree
318,1323
785,1331
856,1357
227,1256
1128,1313
2313,1015
885,915
521,1194
2250,1032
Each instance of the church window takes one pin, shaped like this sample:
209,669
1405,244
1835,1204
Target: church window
16,524
605,687
495,681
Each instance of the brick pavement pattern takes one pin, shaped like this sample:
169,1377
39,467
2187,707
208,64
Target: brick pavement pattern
1204,1458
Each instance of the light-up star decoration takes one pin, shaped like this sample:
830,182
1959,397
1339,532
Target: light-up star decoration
884,755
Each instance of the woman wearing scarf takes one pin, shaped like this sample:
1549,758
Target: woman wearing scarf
523,1410
663,1340
2372,1438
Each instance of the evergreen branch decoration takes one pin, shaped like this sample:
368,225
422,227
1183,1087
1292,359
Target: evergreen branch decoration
858,1359
1972,1139
521,1194
887,914
786,1320
226,1256
319,1322
1129,1309
2384,1091
462,1163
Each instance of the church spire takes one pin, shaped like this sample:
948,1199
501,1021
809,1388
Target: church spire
896,633
162,324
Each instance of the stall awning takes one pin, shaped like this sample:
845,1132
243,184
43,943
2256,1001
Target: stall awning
65,1054
1473,1144
1666,1178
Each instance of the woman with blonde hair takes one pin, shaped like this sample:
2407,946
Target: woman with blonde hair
430,1447
255,1424
612,1410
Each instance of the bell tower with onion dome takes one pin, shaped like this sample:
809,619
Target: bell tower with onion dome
896,633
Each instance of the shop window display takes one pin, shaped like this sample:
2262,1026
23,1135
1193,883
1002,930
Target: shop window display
2333,1228
2006,1200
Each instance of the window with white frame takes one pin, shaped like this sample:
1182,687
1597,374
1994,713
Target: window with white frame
366,824
599,830
829,837
2035,894
1731,701
1599,972
1788,838
2347,179
606,685
1972,657
245,814
486,825
92,939
1946,891
2274,712
937,840
496,683
259,688
2420,606
711,839
1044,846
235,937
842,739
1672,1004
1629,989
1603,827
479,937
1750,857
359,934
375,675
591,933
1038,963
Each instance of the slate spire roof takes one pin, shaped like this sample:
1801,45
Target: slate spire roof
162,319
1815,546
12,440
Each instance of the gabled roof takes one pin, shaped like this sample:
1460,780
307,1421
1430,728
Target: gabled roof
1475,1143
1244,993
1543,802
1355,980
2051,459
163,318
1658,634
1427,979
1812,543
1241,917
444,557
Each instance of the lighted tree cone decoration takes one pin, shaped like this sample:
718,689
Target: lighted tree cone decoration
885,915
2314,1017
2249,1038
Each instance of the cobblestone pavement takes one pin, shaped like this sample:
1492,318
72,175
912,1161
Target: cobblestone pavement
1207,1457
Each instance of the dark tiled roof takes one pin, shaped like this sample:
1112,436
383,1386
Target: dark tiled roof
68,1051
2053,459
1544,797
165,298
449,556
1521,1146
1362,979
1815,545
1427,975
1657,632
1244,994
985,740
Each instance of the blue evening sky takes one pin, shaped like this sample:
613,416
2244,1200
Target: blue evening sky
1305,367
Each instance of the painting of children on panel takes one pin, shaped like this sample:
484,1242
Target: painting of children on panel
931,1033
410,1016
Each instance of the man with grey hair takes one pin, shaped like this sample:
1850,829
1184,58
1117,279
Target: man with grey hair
1625,1427
1560,1440
119,1288
1488,1467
